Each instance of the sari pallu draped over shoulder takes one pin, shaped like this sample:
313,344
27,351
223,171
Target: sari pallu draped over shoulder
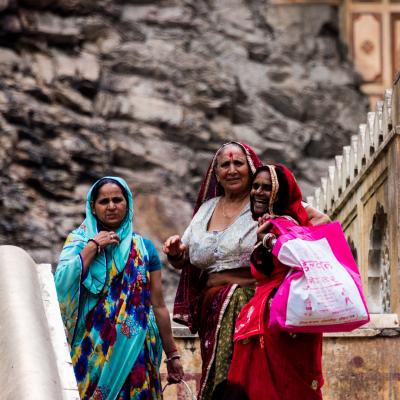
106,311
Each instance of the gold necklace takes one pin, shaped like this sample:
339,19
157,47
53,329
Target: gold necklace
236,210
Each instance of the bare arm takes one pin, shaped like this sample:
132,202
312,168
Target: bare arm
316,217
174,366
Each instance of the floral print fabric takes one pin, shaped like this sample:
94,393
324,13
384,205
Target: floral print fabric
117,326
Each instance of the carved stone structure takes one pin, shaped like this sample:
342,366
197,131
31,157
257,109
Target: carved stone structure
361,190
372,30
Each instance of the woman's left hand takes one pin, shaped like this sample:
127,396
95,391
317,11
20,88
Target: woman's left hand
175,371
264,226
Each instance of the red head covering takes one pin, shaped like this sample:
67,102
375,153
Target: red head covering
192,280
286,197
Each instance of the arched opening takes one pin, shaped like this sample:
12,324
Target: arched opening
378,264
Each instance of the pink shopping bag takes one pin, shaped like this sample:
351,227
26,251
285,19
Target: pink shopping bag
322,291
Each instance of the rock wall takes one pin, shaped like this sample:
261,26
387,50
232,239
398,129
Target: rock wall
148,90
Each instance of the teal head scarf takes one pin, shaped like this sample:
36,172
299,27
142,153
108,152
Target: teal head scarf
96,277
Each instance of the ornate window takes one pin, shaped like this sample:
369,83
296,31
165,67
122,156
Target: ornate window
371,28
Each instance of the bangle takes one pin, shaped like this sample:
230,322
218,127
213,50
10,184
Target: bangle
172,351
175,357
97,245
267,240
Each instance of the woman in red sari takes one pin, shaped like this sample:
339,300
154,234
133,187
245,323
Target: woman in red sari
268,364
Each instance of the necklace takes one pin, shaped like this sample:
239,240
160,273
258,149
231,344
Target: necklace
236,209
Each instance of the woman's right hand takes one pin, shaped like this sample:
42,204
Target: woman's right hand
175,371
95,245
174,247
106,238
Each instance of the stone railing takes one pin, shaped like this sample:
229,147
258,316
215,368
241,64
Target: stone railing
35,362
351,166
362,191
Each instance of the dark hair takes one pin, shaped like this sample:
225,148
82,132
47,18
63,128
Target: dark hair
101,183
281,202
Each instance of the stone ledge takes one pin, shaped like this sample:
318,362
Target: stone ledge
386,325
183,332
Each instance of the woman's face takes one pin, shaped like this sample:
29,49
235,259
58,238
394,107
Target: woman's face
232,169
110,206
260,193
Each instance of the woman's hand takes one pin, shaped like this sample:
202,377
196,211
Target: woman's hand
174,247
106,238
95,245
264,226
175,371
264,219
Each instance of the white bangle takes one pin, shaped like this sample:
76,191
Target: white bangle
174,357
268,239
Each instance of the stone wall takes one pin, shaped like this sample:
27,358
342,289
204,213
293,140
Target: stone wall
362,191
148,90
361,365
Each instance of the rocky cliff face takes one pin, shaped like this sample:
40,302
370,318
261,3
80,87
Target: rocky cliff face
148,90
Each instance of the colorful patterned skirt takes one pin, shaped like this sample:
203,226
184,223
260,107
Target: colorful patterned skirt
220,307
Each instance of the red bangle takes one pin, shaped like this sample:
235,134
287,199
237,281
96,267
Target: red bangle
97,245
172,351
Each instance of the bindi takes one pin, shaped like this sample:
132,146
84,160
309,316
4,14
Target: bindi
230,155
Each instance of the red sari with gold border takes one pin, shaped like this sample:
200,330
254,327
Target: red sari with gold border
269,364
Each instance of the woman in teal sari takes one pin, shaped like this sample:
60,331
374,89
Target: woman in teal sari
108,284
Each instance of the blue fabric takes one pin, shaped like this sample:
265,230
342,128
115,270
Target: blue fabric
154,259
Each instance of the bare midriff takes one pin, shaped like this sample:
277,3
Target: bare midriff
240,276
